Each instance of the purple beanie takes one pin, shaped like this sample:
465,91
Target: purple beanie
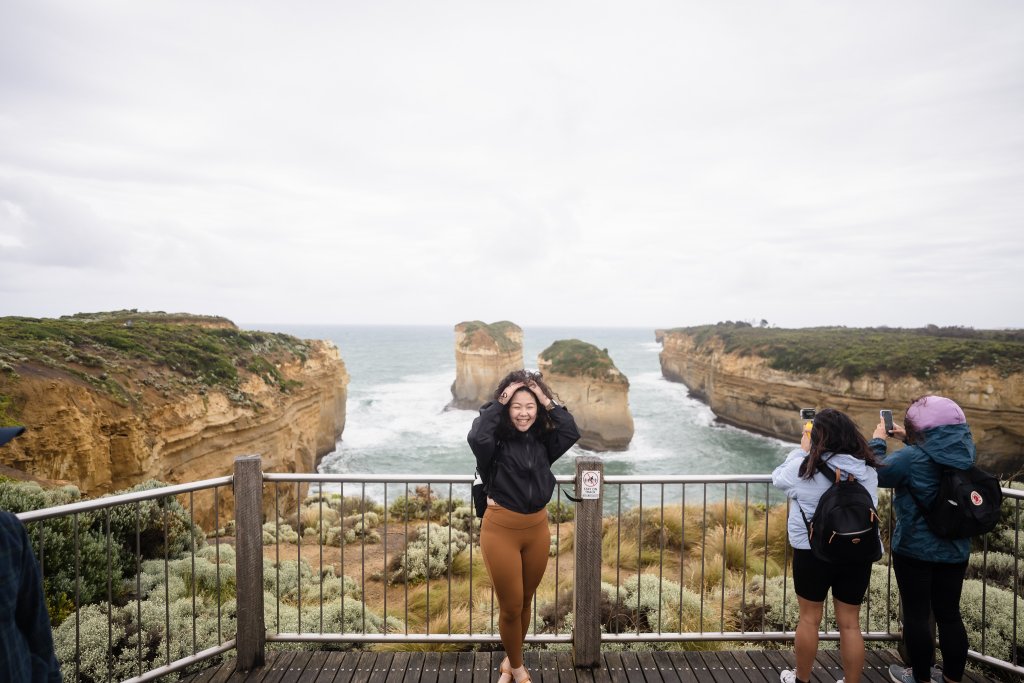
934,411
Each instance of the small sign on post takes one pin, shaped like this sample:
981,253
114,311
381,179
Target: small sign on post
590,485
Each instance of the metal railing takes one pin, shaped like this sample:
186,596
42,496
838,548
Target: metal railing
395,559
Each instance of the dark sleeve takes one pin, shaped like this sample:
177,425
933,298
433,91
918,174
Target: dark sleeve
895,469
564,435
482,435
32,618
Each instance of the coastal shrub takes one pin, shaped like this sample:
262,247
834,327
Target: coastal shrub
163,525
368,519
578,358
318,515
559,512
1004,538
64,574
501,332
998,569
764,607
428,554
351,505
212,621
360,531
658,603
274,531
996,620
465,520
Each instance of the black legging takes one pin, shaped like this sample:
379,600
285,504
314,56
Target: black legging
935,587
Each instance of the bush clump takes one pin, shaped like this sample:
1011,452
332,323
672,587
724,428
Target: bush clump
577,358
429,554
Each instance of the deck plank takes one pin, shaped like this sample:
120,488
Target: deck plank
297,667
431,668
663,666
381,667
413,667
650,668
716,668
753,672
399,664
634,673
826,667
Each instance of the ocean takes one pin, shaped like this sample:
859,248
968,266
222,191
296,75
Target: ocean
401,379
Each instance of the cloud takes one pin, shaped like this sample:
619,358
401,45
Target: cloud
650,163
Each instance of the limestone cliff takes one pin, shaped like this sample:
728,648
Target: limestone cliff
108,405
744,390
592,388
484,354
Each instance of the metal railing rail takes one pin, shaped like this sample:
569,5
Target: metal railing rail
35,520
722,504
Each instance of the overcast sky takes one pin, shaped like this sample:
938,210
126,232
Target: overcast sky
624,163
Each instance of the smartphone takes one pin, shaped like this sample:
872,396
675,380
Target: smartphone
807,414
886,416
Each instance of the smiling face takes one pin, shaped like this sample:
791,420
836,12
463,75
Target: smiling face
522,409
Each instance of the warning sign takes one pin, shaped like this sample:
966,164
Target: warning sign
590,485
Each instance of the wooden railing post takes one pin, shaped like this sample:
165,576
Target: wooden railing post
586,630
251,636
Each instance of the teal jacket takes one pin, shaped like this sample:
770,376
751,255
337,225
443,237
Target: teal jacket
950,445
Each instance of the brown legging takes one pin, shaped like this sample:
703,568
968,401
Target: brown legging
515,548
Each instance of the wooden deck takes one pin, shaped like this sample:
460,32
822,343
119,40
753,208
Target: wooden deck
750,666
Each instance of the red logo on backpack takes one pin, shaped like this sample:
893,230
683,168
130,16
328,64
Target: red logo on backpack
976,498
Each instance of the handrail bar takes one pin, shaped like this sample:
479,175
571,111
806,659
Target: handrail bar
160,672
121,498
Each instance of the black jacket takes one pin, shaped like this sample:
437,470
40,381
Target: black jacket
523,481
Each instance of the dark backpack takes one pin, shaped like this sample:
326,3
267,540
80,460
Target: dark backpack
967,504
844,527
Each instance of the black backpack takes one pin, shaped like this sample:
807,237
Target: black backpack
844,527
967,504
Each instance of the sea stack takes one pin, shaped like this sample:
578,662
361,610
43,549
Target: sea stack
484,354
592,388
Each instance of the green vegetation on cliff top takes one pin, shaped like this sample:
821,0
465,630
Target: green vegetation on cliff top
573,357
497,331
117,352
854,352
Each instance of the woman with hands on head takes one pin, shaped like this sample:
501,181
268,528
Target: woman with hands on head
515,438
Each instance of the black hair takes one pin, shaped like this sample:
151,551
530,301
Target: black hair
834,432
543,422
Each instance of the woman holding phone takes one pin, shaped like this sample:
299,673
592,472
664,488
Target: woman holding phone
929,570
832,439
515,438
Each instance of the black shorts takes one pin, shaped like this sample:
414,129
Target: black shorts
813,577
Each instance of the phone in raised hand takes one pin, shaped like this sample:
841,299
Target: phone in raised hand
886,416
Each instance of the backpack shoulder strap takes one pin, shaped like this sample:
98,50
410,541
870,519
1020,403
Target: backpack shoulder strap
492,468
917,501
824,469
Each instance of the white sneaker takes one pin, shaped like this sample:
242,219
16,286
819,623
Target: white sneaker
787,676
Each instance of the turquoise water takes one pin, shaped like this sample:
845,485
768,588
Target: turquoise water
401,381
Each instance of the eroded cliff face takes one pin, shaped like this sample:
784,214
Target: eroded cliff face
78,434
745,392
484,354
600,406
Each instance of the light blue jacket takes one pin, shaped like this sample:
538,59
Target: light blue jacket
805,493
911,466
